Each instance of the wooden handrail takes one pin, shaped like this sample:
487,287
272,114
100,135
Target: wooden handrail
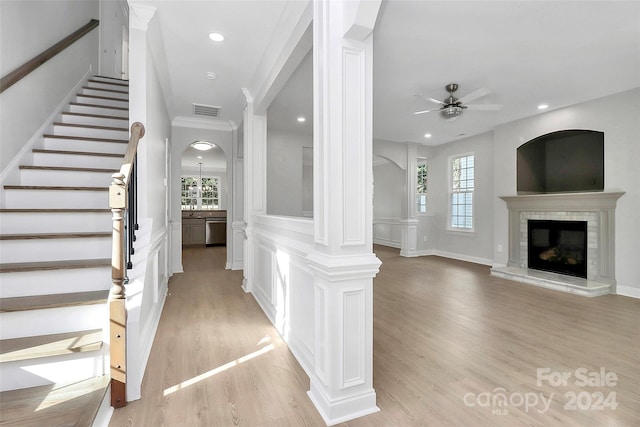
119,203
26,68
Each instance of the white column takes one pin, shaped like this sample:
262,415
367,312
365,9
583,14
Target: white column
409,231
342,260
255,151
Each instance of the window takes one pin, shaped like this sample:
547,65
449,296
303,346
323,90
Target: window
461,192
421,189
205,197
210,199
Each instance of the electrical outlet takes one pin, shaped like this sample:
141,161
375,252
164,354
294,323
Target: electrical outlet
499,248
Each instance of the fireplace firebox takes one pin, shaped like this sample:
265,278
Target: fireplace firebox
558,246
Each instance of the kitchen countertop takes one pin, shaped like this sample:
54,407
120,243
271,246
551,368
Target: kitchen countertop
199,214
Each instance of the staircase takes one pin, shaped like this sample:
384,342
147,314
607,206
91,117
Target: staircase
55,265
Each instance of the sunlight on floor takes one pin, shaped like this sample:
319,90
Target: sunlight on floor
217,370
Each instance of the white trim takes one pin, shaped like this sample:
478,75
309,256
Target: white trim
200,123
103,417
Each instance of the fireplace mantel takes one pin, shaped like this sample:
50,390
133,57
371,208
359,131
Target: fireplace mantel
597,208
563,201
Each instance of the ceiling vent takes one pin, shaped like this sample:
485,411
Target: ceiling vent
206,110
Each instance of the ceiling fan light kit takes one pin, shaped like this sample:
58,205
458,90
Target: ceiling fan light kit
452,107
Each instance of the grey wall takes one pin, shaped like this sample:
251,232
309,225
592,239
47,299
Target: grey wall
285,172
26,29
476,245
388,195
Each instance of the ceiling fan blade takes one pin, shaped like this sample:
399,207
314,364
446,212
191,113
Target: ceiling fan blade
434,100
427,98
425,111
484,107
474,95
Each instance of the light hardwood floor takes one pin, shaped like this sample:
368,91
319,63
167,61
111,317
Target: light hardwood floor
446,336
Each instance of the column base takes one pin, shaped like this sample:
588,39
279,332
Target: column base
338,411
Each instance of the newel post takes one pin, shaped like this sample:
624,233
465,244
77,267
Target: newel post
117,309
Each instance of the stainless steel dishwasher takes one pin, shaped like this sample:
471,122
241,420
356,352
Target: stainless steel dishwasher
216,231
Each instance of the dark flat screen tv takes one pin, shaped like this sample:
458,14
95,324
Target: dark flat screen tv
561,162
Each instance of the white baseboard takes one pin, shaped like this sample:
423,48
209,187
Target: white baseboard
389,243
628,291
462,257
104,412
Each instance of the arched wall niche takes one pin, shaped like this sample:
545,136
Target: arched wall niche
561,162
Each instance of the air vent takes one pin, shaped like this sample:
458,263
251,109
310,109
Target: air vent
206,110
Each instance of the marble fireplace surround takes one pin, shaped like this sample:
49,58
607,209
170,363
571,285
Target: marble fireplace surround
597,209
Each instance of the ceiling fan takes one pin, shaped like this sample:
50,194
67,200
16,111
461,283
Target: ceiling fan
452,107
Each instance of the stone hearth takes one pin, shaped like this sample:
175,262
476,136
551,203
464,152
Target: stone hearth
597,209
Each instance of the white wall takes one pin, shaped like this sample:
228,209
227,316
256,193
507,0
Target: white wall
618,117
284,171
26,29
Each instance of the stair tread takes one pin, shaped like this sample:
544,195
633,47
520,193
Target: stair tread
54,405
108,107
53,187
96,116
80,153
87,138
123,81
115,82
54,265
35,347
76,235
38,302
105,90
108,98
67,168
75,125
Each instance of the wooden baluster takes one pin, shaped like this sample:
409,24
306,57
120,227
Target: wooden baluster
118,201
117,309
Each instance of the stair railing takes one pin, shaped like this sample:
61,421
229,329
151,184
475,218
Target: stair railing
22,71
123,203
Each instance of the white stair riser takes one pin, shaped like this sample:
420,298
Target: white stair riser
104,111
100,101
30,250
110,93
53,320
91,133
107,85
72,160
42,282
60,222
84,145
65,369
64,178
15,199
94,121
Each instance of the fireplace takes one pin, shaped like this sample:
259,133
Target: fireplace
558,246
596,209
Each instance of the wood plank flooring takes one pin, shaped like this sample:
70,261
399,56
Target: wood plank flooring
448,340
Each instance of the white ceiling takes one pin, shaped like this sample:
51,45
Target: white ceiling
525,52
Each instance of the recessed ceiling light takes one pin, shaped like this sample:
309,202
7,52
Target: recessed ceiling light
199,157
211,75
301,119
543,107
216,37
427,135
